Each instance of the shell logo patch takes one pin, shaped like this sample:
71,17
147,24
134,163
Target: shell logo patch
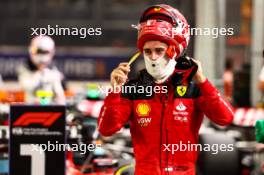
143,109
181,90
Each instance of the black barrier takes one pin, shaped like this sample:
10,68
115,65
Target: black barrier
31,128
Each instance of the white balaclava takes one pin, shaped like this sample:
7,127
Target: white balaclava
42,58
161,68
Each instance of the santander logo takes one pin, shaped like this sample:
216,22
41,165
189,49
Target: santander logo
181,107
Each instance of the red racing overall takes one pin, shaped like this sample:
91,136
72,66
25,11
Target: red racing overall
163,119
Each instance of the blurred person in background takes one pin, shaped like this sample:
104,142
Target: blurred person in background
163,118
228,78
261,84
39,78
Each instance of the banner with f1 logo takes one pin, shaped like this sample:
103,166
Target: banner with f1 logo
32,130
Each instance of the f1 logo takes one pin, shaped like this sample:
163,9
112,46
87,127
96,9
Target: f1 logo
43,118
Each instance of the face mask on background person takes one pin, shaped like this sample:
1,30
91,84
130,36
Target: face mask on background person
41,59
161,68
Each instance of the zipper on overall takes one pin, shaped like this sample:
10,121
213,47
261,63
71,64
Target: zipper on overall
161,127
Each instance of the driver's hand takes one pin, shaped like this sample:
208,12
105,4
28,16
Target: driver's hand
199,77
119,74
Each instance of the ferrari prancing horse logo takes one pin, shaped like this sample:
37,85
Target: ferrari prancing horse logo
181,90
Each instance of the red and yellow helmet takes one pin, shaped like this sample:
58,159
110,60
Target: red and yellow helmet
164,23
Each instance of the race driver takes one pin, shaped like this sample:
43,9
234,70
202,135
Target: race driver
162,119
38,77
